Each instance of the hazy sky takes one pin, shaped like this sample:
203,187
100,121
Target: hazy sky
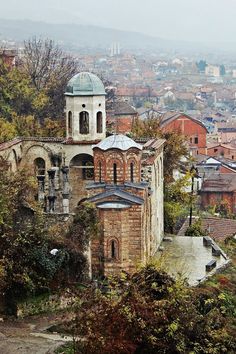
195,20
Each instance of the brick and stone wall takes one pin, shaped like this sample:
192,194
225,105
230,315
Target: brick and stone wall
104,162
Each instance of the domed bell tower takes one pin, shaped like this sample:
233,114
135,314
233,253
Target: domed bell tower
85,108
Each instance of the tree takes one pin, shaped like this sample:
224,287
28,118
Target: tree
196,229
176,202
26,264
175,148
49,70
17,95
149,312
7,130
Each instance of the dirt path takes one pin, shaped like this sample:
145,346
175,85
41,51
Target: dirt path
29,336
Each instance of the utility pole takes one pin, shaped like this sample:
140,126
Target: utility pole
194,173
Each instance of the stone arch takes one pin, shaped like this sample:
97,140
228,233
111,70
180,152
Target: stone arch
84,163
81,171
14,162
84,122
39,166
37,151
38,145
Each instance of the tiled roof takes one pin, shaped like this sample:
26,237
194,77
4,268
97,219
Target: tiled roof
217,228
18,140
171,116
154,144
10,143
121,108
220,182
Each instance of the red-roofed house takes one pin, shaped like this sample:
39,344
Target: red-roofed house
192,128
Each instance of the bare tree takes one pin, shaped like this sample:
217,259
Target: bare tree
49,69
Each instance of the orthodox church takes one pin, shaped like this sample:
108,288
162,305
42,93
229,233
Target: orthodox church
121,177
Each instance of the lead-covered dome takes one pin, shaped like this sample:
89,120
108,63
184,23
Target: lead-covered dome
85,84
118,141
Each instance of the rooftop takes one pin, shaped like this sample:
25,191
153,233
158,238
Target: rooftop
85,84
220,182
121,108
118,141
217,228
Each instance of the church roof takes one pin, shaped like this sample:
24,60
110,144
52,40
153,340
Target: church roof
118,141
85,84
122,195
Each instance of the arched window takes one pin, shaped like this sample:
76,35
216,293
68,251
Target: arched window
132,172
39,166
99,122
70,123
100,172
84,122
83,164
113,249
115,173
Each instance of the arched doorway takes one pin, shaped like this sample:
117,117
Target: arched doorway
39,166
81,172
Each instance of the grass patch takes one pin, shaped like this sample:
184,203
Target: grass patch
67,348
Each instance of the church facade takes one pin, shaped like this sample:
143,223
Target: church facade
122,178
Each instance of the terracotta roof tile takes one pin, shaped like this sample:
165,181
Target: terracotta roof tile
217,228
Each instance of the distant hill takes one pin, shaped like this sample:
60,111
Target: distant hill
76,36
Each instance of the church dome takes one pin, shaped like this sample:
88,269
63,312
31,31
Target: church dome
118,141
85,84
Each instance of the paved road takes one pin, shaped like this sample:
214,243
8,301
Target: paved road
29,337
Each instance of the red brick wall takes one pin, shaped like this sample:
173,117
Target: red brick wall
123,161
222,151
214,198
225,169
121,124
125,228
191,130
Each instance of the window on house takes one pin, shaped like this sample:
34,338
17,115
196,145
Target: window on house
196,140
99,122
132,172
232,157
215,150
84,122
191,140
70,123
115,173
